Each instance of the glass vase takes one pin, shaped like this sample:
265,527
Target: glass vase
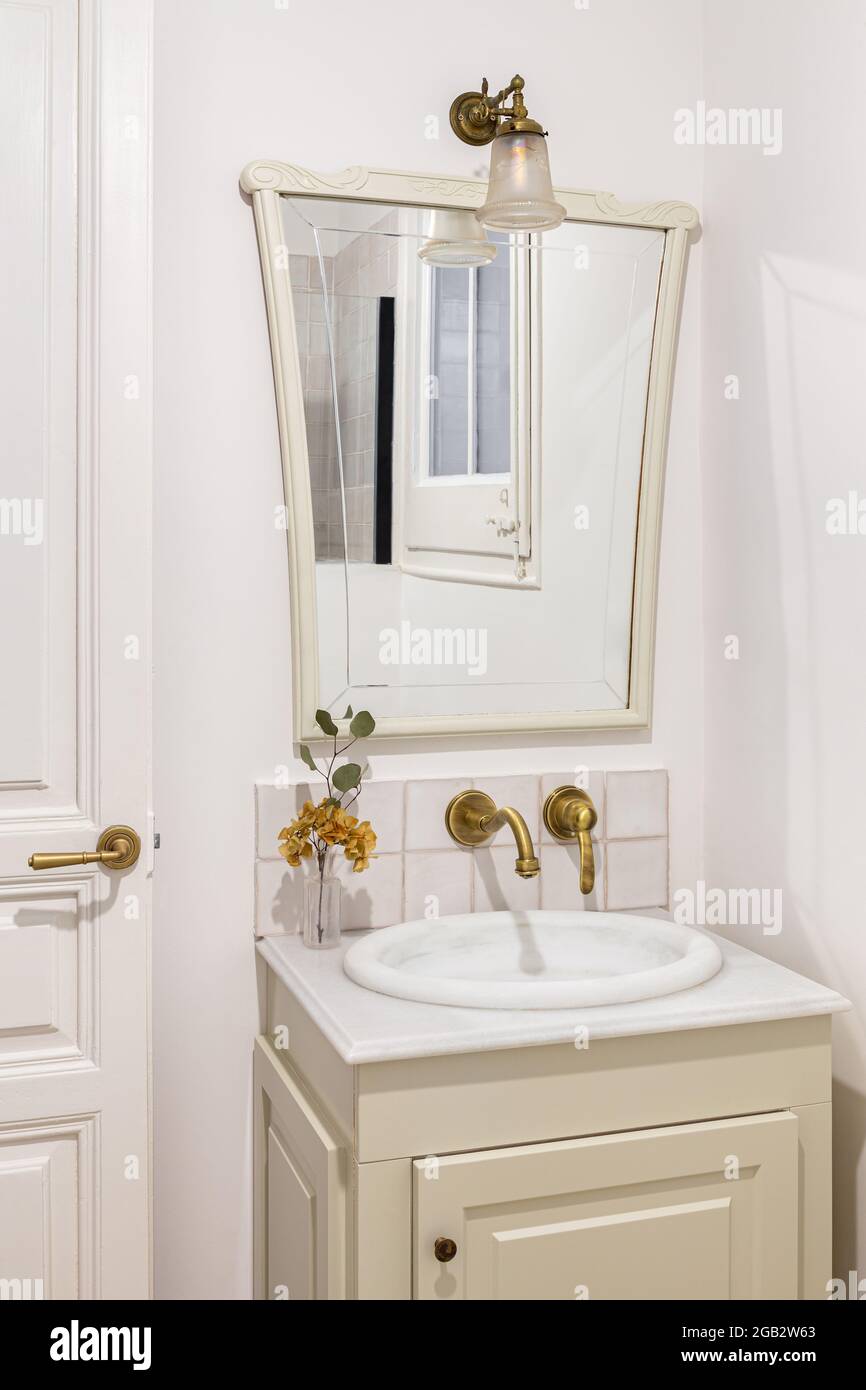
322,894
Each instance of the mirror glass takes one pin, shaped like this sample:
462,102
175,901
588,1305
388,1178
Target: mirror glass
474,438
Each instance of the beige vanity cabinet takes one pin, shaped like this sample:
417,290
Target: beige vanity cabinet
685,1165
646,1214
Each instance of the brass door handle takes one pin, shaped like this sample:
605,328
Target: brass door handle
118,847
444,1249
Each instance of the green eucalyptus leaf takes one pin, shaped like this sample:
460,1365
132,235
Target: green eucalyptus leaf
363,724
346,777
348,714
325,722
307,757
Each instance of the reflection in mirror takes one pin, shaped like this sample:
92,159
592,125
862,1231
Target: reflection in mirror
475,407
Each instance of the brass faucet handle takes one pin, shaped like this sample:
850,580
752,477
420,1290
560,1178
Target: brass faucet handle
569,812
569,815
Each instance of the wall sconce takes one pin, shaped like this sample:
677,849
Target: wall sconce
520,192
456,239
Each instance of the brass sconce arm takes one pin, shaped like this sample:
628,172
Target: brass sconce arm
493,105
475,116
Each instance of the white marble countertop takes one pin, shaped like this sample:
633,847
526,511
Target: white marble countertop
367,1027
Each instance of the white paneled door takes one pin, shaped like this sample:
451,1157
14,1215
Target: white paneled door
75,389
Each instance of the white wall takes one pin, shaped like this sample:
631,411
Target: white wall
784,292
240,79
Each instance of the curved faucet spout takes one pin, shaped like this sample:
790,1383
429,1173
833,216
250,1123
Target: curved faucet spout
473,818
526,865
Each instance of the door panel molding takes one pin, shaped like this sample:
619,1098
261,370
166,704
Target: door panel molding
75,1037
55,1023
50,1213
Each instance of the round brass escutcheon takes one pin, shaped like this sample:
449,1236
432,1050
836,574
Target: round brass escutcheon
463,816
444,1249
569,812
122,840
466,125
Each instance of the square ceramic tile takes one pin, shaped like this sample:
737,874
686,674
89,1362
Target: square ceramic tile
381,803
592,782
637,805
521,792
560,879
425,812
637,874
279,896
375,897
437,884
275,807
496,885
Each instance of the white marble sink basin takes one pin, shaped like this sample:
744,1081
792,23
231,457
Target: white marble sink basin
533,960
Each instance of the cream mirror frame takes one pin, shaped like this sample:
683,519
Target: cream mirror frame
268,182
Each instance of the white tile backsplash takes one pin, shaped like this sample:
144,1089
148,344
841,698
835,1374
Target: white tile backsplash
425,812
497,887
279,896
417,861
373,898
636,874
381,803
437,883
275,807
637,805
522,794
560,879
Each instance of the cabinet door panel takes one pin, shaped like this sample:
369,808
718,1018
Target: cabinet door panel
291,1224
705,1211
300,1185
638,1254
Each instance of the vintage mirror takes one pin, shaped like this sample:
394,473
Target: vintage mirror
472,427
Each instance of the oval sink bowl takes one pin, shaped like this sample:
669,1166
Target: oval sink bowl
532,960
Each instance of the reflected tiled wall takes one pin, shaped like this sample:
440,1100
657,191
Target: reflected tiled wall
421,872
318,401
364,271
357,277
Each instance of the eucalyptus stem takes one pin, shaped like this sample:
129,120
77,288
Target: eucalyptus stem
322,856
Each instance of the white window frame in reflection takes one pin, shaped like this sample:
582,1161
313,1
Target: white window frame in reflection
492,535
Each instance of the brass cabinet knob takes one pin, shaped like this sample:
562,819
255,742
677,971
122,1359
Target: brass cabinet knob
118,847
444,1249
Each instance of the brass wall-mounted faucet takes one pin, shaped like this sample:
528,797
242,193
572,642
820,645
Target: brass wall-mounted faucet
473,818
570,815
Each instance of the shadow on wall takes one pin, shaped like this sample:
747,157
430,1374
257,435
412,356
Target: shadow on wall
815,324
785,736
849,1136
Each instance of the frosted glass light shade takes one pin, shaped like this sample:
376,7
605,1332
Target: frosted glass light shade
456,239
520,193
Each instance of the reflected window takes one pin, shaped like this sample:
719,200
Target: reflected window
470,362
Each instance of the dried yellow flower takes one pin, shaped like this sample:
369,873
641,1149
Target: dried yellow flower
360,845
316,829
